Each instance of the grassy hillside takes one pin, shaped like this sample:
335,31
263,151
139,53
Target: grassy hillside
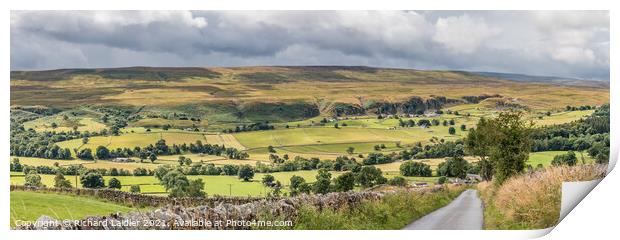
280,92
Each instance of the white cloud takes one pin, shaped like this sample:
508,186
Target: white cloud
574,55
572,44
463,34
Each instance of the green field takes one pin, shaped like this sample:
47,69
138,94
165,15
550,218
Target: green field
563,117
29,206
545,158
317,136
214,185
82,124
131,140
106,164
222,185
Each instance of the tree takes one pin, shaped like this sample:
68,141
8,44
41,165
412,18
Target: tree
114,183
152,157
453,167
581,145
268,180
135,188
413,168
479,143
61,182
85,154
92,179
298,185
102,152
398,181
463,127
177,184
161,171
565,159
442,180
85,140
271,149
16,166
513,143
506,140
33,179
196,188
246,172
323,181
369,176
344,182
350,150
336,125
451,131
277,188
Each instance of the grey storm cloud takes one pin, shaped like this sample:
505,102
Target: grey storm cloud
558,43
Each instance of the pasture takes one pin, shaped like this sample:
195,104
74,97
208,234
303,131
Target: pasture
61,125
131,140
29,206
214,185
106,164
562,117
545,158
319,136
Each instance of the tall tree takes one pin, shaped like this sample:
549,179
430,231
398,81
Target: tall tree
503,145
478,143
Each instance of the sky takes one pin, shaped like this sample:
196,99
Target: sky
548,43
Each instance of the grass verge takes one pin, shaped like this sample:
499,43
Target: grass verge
532,201
28,206
394,211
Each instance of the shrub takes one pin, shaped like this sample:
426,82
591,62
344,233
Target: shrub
344,182
369,176
134,188
398,181
61,182
33,179
451,131
442,180
114,183
246,172
411,168
323,181
565,159
92,179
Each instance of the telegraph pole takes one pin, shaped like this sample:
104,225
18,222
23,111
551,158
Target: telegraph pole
230,189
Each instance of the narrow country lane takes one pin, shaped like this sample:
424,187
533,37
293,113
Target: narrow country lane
463,213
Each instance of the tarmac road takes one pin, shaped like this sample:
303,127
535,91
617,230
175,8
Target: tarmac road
463,213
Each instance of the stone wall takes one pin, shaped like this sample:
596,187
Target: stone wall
138,200
223,215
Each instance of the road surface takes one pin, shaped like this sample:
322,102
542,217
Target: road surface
463,213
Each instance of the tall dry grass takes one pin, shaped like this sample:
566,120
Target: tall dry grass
532,201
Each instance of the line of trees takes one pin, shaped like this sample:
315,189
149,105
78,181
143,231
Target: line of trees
590,134
252,127
151,151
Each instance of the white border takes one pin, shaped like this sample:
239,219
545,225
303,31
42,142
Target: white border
594,214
